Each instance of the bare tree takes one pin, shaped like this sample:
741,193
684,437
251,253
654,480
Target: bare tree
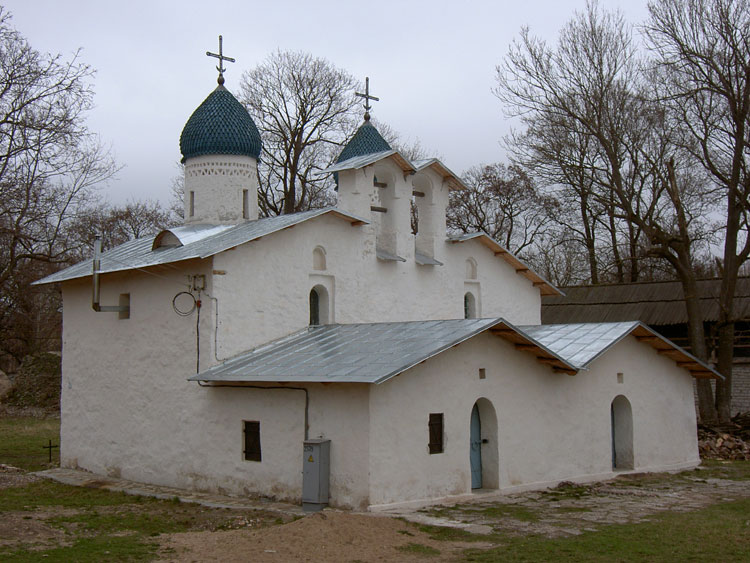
613,144
118,224
504,203
305,109
703,50
49,165
577,94
564,163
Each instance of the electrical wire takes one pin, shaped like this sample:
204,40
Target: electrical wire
270,387
183,313
198,335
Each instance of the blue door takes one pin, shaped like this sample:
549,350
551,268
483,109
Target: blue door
475,453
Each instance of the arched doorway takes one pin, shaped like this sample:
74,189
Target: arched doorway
483,450
622,433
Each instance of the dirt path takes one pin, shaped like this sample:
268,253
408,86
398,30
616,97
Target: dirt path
326,536
566,510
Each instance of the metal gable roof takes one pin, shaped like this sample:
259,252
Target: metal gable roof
362,353
376,352
201,241
582,343
358,162
355,353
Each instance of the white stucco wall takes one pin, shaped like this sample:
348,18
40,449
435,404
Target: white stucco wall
263,291
550,427
128,411
217,183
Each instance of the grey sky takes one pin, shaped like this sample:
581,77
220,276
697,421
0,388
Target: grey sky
431,63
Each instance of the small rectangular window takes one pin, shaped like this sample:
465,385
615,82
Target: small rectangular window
245,205
252,440
436,433
124,303
192,204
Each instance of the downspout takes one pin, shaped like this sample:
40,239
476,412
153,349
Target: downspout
96,266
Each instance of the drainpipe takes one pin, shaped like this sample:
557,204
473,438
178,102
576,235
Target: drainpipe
95,275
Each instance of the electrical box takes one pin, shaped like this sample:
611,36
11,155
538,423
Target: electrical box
315,471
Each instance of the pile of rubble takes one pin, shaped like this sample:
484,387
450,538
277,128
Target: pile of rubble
729,441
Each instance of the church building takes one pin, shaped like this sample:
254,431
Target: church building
234,353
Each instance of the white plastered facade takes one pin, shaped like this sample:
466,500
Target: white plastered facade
128,410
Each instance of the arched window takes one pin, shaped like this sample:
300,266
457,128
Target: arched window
470,306
319,258
319,306
314,307
471,269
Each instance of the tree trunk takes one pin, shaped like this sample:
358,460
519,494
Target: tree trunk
724,388
590,241
696,332
615,249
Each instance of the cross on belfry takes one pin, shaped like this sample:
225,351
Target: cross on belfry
221,58
367,98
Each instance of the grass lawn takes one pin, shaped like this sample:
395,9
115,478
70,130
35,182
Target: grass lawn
50,521
22,440
47,521
718,533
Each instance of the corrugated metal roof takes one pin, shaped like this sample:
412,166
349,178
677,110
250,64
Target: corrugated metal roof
203,241
454,180
581,343
373,353
355,353
357,162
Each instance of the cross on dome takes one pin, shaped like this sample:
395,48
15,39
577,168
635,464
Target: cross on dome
367,98
221,58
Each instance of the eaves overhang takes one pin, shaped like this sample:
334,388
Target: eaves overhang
191,242
365,353
545,287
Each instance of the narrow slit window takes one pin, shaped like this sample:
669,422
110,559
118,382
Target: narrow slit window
192,204
251,431
436,433
245,204
314,308
470,306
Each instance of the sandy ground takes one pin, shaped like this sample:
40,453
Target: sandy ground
333,536
325,536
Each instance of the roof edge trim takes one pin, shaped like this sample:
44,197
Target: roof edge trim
545,287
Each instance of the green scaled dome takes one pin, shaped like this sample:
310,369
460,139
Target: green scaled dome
220,125
366,140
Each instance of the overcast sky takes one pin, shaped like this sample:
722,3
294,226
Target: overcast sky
432,64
